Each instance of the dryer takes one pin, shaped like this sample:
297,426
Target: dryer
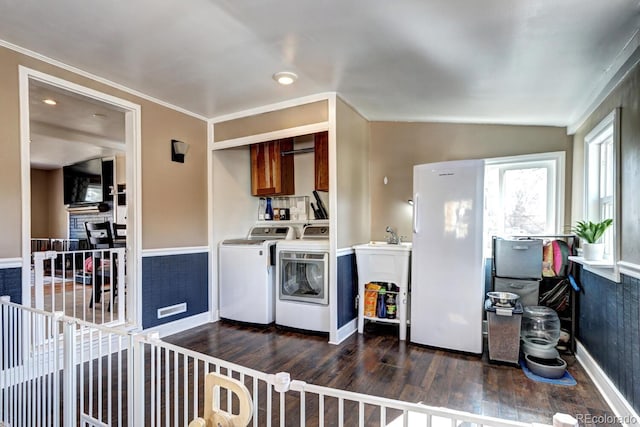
302,280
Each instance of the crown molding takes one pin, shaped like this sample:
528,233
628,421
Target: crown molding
622,65
99,79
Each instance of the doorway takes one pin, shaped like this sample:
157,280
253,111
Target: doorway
64,125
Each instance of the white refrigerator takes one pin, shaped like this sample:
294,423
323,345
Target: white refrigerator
447,274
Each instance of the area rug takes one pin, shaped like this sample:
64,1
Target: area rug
567,379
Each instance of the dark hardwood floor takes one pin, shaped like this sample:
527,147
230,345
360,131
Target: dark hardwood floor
377,363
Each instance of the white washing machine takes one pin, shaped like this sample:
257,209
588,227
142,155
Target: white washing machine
302,280
247,274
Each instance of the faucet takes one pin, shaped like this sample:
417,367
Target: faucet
393,238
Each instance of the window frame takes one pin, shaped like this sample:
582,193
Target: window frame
556,182
607,129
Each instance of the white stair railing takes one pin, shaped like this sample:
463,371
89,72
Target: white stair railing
59,371
177,380
73,372
29,378
88,285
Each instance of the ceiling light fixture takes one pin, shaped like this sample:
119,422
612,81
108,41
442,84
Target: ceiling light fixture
99,116
285,77
49,101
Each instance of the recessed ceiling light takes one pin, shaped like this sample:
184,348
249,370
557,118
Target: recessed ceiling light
285,77
49,101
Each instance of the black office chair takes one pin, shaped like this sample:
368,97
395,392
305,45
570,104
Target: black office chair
100,238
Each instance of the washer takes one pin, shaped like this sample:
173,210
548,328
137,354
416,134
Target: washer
247,274
302,280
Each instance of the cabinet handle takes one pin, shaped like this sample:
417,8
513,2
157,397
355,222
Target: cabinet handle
521,248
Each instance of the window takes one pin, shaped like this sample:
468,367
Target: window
600,178
523,196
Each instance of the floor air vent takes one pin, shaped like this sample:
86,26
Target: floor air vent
171,310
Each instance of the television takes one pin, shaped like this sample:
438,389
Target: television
83,182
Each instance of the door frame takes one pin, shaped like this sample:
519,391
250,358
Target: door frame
133,137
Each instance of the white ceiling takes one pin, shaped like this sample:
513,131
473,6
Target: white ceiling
77,128
499,61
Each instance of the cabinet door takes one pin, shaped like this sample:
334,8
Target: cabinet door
272,173
321,150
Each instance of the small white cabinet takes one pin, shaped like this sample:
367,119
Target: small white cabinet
388,263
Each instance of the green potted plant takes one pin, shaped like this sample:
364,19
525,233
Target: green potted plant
590,233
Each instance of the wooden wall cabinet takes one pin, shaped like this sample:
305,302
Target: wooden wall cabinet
271,173
321,150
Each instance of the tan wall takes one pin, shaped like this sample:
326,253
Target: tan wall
174,195
40,203
627,96
58,216
313,112
396,147
10,204
352,168
48,212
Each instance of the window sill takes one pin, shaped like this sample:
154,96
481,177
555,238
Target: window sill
605,268
605,263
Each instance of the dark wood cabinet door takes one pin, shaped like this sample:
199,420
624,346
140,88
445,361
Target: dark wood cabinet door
321,150
271,173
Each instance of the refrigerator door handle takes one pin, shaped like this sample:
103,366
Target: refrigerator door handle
415,212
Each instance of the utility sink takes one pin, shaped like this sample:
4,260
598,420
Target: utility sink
384,263
382,245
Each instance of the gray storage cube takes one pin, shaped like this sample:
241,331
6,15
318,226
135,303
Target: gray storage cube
527,289
518,258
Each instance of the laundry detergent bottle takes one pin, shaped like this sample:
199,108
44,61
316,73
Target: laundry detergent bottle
381,306
268,212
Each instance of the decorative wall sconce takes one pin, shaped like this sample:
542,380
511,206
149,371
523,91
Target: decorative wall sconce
178,150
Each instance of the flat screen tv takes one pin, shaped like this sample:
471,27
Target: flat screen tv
83,182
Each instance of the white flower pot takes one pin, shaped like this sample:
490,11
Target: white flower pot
593,251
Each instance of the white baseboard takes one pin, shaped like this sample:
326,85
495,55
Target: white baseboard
619,405
180,325
346,331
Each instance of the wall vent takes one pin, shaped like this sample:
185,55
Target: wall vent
172,310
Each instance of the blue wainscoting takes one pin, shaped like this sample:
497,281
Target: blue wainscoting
174,279
347,289
609,328
11,283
